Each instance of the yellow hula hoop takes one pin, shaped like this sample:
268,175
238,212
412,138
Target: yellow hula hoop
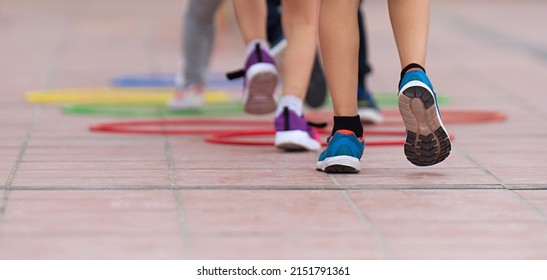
114,96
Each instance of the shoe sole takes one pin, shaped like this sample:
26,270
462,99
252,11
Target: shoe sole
427,142
339,164
261,84
295,141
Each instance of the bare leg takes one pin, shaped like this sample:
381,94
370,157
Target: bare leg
410,23
339,39
299,25
251,18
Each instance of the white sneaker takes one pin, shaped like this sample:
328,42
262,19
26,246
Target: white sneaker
188,97
370,115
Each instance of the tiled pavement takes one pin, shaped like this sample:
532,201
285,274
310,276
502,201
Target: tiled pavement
68,193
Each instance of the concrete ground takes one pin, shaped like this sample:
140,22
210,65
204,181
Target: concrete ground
68,193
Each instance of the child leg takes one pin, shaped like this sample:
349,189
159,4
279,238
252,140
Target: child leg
198,37
299,22
427,141
410,24
260,70
339,38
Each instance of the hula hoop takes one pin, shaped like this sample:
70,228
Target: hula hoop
228,108
114,96
168,80
226,138
136,127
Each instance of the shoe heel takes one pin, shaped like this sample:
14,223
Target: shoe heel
427,142
262,82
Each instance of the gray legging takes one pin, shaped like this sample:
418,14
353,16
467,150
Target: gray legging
198,37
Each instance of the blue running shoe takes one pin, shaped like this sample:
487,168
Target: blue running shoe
343,153
427,141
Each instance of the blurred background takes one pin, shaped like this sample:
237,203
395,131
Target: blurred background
67,192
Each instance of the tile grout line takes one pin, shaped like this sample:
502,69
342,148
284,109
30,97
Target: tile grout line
36,109
530,206
269,187
369,224
60,49
15,168
187,245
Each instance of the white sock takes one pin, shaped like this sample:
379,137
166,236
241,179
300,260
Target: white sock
252,45
294,104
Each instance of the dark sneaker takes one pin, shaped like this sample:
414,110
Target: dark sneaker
343,153
294,133
427,141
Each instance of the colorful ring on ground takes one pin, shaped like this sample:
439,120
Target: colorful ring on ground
226,138
114,96
139,127
227,108
222,136
214,80
135,127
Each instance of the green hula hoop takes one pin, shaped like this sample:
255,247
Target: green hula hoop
226,108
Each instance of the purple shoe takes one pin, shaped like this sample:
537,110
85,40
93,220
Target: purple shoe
260,82
294,133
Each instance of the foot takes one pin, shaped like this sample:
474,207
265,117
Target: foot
427,141
368,110
260,82
187,97
343,153
294,133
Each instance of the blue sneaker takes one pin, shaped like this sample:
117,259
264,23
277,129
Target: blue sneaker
427,141
343,153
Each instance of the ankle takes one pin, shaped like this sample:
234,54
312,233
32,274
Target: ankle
411,66
251,46
352,123
292,102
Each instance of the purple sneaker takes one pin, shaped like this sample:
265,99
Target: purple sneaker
294,133
260,82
